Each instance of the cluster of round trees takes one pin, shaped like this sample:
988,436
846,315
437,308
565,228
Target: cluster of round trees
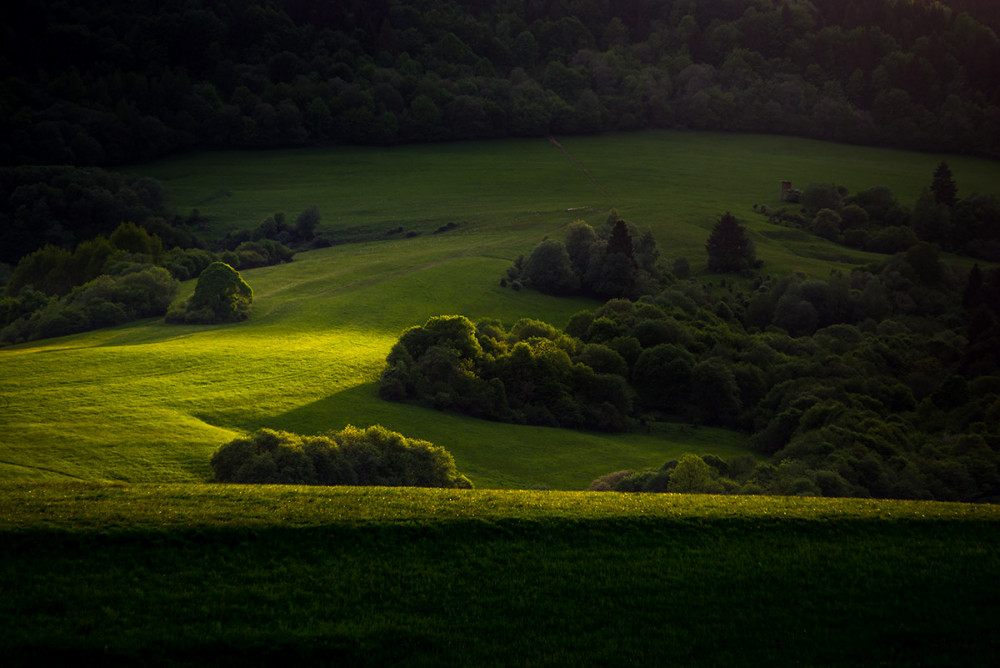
531,374
613,261
351,456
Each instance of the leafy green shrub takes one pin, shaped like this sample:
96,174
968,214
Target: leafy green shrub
693,476
609,482
221,295
352,456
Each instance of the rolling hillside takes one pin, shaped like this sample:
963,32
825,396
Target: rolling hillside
151,401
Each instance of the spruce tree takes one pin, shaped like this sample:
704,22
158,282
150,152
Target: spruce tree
729,248
620,240
943,186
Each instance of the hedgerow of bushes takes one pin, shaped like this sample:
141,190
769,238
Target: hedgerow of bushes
352,456
141,292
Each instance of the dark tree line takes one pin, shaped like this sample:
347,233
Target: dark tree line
123,82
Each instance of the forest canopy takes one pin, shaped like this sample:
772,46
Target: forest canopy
124,82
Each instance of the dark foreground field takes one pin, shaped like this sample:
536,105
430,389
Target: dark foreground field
218,575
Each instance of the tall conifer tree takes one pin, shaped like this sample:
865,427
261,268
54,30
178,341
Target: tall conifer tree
944,188
729,248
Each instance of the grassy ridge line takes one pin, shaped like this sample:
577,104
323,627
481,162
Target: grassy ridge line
98,508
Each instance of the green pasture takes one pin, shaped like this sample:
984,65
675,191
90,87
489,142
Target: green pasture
261,575
675,183
150,402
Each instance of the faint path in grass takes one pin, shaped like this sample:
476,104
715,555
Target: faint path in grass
579,164
5,462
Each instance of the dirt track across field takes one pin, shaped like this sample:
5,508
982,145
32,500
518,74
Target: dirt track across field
579,164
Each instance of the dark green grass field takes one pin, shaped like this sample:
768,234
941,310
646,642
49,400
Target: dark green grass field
230,575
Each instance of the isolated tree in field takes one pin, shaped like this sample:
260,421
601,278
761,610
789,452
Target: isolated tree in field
222,290
729,248
580,239
943,186
221,295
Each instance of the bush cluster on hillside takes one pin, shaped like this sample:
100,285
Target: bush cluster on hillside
874,220
613,261
532,374
878,382
125,82
352,456
140,291
50,213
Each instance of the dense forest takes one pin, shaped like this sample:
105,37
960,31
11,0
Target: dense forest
121,82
